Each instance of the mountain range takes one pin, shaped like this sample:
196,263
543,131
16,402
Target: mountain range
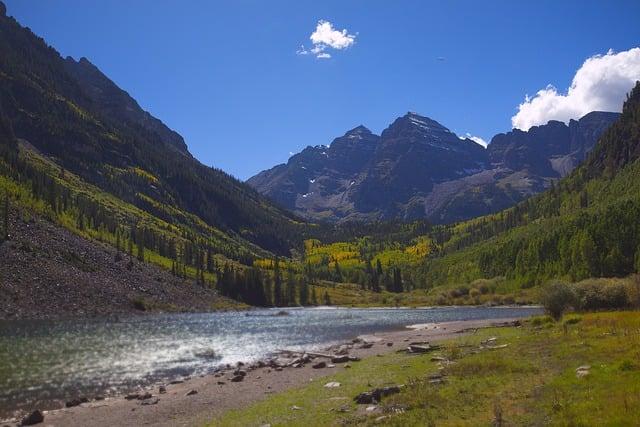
417,168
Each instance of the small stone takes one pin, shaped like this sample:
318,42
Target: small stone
340,359
389,344
145,396
237,378
319,365
371,408
296,408
192,392
332,384
150,402
132,396
76,402
162,389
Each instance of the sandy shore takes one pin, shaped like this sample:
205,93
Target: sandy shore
217,394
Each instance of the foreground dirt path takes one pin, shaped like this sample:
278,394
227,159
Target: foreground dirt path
177,408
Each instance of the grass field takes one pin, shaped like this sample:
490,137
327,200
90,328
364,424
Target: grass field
532,381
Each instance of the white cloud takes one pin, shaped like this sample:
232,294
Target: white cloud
600,84
325,37
325,34
475,139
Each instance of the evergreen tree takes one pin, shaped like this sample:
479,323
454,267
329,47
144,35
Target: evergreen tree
118,255
5,221
140,243
314,297
397,280
277,284
304,293
290,290
326,298
338,277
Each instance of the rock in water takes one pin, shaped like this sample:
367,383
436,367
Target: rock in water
35,417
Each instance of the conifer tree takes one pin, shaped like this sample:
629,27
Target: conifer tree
326,298
291,288
314,298
277,284
304,293
5,221
140,244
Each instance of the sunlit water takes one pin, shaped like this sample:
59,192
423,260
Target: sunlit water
42,362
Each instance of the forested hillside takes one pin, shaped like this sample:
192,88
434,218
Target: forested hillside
74,114
585,226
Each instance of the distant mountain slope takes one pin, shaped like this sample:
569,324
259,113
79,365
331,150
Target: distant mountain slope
585,226
74,114
417,168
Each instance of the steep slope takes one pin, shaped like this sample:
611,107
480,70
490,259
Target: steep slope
317,178
47,271
585,226
74,114
417,168
414,153
521,164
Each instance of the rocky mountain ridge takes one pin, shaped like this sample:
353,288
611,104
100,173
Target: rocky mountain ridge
417,168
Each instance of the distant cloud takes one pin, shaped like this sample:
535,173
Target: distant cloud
441,58
475,139
326,37
601,83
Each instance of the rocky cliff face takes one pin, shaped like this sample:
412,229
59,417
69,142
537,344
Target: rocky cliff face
118,104
417,168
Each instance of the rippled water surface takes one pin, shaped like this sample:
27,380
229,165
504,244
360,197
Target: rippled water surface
44,361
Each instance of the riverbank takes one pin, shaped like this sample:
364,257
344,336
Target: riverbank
216,394
584,370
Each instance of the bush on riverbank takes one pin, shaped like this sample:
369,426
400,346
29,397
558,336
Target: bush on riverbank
592,295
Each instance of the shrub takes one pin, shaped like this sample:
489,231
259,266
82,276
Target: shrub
598,295
508,300
461,291
558,298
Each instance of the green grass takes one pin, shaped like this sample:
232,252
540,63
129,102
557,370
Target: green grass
533,381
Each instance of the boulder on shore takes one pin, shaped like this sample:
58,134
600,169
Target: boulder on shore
35,417
376,395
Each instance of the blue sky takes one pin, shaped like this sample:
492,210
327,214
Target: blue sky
227,77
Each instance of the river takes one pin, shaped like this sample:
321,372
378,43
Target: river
45,362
